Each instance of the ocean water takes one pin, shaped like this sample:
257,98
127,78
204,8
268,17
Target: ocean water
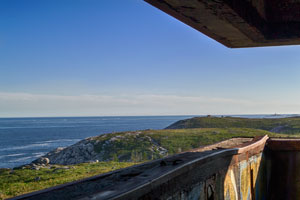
22,140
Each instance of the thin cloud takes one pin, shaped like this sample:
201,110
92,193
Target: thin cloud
27,104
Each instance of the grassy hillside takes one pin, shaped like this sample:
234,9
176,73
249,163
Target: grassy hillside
20,181
280,125
152,144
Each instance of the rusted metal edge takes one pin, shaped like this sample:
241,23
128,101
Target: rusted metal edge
220,154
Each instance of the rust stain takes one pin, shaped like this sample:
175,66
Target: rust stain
247,172
230,187
245,180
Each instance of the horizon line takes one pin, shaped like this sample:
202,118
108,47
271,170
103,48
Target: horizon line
171,115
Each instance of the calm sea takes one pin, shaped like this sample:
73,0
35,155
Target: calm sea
24,139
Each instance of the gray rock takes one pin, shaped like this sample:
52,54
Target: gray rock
83,151
35,168
42,160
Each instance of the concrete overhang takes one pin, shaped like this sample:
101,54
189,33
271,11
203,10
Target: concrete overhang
239,23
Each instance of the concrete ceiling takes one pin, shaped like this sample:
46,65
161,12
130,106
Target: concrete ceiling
239,23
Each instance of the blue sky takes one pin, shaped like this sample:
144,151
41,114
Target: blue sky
125,57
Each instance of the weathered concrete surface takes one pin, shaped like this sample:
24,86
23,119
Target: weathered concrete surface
226,170
239,23
284,169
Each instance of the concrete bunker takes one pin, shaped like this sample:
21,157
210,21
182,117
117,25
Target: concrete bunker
238,168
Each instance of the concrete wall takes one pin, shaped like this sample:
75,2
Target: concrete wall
233,169
283,157
238,181
230,174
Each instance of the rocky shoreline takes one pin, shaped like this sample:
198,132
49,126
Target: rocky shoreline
80,152
101,148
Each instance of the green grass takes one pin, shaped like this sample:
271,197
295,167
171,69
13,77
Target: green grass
25,180
289,125
136,146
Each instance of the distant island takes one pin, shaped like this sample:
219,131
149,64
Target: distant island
112,151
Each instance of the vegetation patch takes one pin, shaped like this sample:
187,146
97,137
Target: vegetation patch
152,144
21,181
289,125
